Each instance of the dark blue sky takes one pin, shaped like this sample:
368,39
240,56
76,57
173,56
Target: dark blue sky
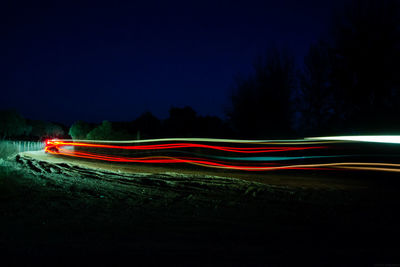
64,63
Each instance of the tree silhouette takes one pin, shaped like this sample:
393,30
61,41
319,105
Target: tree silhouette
212,127
80,129
102,132
43,130
148,126
366,56
13,125
107,131
181,122
261,104
315,100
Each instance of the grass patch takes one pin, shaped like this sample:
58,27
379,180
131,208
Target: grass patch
7,149
9,180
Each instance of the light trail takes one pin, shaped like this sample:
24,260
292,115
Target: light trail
313,153
207,140
186,145
389,139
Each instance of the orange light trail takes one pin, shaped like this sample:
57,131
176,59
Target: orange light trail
287,154
166,159
185,145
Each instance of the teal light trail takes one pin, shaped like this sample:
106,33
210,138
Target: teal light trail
275,158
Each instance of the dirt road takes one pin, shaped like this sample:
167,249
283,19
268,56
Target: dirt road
285,178
63,210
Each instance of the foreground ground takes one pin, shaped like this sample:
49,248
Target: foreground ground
68,212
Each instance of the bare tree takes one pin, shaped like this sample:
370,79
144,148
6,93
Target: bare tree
261,103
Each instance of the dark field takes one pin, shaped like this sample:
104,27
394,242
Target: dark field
75,213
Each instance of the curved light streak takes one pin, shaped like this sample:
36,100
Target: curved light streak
389,139
186,145
312,153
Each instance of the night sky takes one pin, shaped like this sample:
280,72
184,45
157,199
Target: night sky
65,63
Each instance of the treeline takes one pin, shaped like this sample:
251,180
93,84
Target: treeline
15,127
349,83
182,122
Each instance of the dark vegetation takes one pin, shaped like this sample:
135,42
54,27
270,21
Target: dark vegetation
68,214
348,84
182,122
14,126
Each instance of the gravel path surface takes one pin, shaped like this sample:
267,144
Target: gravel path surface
61,210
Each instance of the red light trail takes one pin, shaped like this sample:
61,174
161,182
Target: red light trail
184,145
265,155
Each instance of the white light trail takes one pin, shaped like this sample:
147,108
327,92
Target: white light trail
390,139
